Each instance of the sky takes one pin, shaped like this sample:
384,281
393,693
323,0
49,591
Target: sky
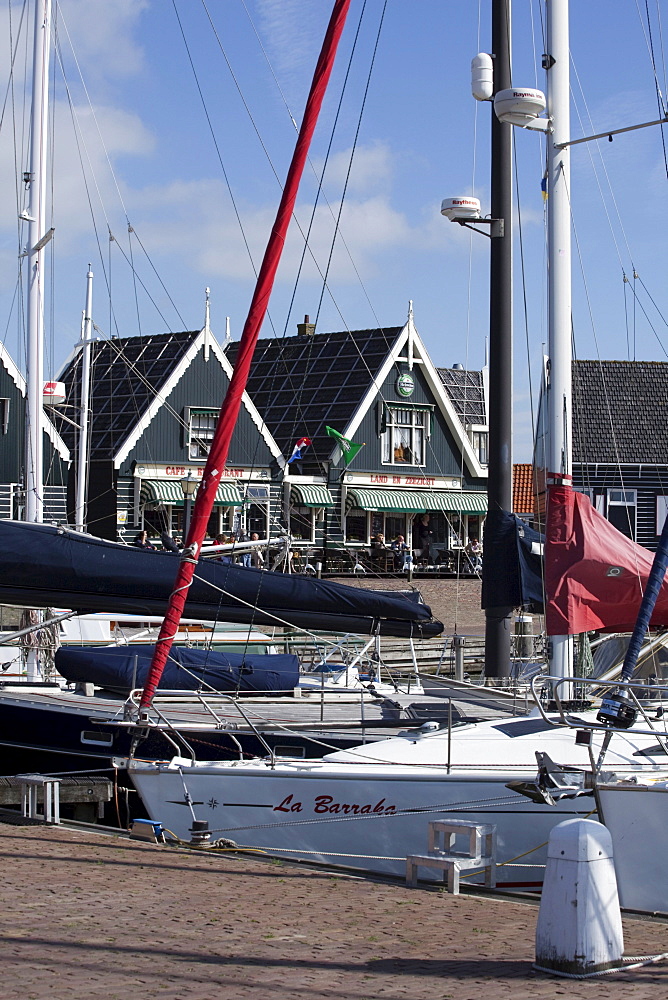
172,129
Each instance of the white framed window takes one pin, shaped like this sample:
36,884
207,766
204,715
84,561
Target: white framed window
256,511
201,427
622,511
4,415
480,444
403,440
301,523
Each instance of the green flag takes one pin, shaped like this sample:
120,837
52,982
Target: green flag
349,448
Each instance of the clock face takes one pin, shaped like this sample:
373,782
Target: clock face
405,384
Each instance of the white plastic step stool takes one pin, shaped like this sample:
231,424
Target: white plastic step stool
29,784
441,841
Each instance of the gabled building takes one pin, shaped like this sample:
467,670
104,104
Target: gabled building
12,450
379,389
620,443
153,404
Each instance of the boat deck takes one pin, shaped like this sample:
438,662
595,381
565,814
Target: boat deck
90,916
310,710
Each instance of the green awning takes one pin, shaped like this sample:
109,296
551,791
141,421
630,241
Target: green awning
154,491
418,501
310,495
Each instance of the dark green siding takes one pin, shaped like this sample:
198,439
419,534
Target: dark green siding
204,384
443,456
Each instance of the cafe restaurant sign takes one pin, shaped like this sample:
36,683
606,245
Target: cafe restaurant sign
142,471
402,480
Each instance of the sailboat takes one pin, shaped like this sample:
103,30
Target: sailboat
369,807
46,566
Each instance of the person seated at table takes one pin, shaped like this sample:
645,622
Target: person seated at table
378,547
141,541
401,552
222,539
474,553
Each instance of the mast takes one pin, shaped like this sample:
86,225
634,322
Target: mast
229,411
84,407
500,466
37,237
559,443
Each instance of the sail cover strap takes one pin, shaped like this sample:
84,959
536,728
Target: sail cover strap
231,404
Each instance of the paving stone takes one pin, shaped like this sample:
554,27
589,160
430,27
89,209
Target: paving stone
90,916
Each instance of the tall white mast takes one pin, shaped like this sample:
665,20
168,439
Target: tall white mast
84,407
559,446
35,250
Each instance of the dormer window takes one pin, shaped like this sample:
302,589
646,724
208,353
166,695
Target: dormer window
200,432
479,437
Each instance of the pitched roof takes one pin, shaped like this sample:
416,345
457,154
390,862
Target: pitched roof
467,393
126,375
523,488
301,384
620,412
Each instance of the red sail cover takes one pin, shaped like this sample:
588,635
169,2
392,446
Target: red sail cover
594,575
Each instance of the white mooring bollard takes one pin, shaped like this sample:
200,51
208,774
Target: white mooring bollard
579,929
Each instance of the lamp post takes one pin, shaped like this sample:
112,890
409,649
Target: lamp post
189,487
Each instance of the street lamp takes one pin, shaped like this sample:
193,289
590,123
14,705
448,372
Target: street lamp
189,488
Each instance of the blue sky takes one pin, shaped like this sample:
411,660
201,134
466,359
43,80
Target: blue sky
150,159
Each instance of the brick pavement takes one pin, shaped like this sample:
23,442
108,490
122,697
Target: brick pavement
454,602
92,916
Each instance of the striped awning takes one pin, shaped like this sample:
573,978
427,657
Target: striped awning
418,501
310,495
169,491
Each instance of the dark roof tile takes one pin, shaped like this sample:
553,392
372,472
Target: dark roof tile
126,374
620,412
301,384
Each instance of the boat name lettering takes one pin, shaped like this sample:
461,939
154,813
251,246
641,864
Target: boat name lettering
287,806
326,804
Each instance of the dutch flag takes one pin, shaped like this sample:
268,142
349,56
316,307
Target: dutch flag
299,449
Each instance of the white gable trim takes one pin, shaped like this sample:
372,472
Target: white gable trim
253,412
11,369
409,340
20,383
203,340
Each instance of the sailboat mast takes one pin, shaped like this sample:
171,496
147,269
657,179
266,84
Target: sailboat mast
84,408
36,182
559,443
499,484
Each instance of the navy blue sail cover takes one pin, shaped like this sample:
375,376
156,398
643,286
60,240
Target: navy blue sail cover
46,566
513,563
187,669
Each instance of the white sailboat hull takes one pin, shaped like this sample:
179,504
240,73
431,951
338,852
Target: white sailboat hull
637,817
369,807
369,821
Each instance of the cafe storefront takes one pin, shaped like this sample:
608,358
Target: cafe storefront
393,504
242,504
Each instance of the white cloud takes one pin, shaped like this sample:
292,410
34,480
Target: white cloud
101,34
193,219
372,168
291,32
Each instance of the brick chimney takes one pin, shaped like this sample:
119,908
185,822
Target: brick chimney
305,329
